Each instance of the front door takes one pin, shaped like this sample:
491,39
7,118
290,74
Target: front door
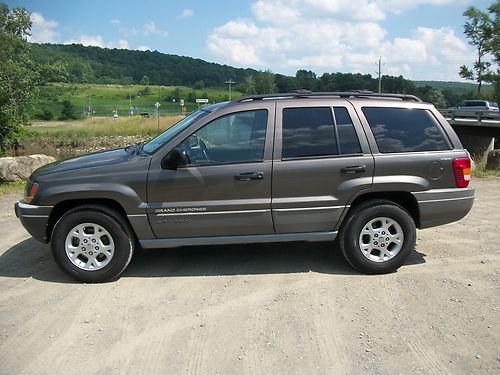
225,188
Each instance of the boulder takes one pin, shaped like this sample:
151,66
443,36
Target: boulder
493,161
21,167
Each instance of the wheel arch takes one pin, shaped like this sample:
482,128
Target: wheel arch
402,198
64,206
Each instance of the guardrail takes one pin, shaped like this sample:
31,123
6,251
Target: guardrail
472,118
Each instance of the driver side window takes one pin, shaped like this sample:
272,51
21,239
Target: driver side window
234,138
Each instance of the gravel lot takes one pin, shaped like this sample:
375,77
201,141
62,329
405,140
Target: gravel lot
265,309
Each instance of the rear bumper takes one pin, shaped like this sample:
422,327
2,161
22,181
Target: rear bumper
34,219
442,206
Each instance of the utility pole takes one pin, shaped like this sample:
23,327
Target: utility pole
229,82
129,105
157,105
90,103
380,74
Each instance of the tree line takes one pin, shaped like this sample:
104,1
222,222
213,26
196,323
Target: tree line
116,66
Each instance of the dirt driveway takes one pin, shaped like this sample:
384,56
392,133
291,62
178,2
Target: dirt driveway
264,309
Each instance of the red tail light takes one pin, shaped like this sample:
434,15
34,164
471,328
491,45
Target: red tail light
461,169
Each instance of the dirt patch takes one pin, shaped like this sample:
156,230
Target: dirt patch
294,308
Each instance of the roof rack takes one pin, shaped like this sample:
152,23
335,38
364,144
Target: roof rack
336,94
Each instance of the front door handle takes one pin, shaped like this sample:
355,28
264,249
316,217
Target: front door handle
354,169
249,176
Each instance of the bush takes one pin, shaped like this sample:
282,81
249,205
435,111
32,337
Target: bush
45,115
68,111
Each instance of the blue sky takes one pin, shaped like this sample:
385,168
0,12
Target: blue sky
420,39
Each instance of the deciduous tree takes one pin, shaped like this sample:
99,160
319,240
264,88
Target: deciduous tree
19,75
480,30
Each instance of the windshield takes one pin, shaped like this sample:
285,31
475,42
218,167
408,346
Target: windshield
171,132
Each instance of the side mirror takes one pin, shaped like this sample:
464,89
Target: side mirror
174,159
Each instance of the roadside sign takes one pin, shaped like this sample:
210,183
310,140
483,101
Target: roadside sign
157,105
201,100
182,102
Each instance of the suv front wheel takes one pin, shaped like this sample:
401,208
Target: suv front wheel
377,236
92,243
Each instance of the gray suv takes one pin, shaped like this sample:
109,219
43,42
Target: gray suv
361,167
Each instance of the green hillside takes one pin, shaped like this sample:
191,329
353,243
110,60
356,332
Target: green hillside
105,99
121,66
455,92
462,86
122,74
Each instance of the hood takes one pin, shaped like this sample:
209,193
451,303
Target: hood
86,161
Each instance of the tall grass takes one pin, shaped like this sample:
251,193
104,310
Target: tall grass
98,127
69,138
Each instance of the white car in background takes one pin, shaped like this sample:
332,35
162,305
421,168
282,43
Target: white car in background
475,105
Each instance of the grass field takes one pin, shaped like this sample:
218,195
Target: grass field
63,139
105,99
98,127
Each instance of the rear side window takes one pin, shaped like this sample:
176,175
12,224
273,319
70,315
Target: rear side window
308,132
348,140
404,130
475,104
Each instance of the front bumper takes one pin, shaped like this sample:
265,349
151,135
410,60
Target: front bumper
34,219
443,206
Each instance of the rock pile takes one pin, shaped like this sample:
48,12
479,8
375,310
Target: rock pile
21,167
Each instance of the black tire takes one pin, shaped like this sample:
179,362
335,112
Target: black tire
359,218
112,224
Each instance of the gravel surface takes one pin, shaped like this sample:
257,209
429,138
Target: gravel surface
265,309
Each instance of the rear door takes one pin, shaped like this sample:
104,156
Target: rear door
321,159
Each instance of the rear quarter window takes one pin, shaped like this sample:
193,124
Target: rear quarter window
405,130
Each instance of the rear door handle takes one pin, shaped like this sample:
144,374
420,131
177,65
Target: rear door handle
354,169
249,176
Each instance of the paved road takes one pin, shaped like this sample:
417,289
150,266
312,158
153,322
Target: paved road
263,309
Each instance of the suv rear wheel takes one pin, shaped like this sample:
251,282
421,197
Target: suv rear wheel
377,236
92,243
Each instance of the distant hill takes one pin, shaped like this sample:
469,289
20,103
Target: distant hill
95,65
121,66
461,87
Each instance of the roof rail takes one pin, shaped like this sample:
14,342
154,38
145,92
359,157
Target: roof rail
336,94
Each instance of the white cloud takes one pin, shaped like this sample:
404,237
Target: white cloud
115,22
122,44
147,29
150,28
275,12
42,30
357,10
327,35
186,13
143,48
242,42
280,12
129,32
98,41
400,6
